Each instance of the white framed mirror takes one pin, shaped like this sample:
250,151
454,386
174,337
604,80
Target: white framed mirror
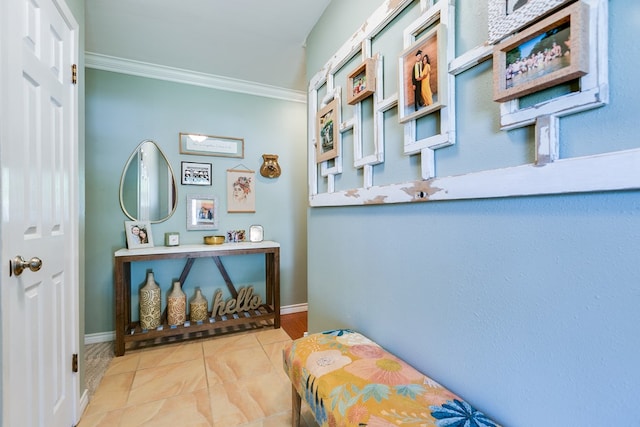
148,188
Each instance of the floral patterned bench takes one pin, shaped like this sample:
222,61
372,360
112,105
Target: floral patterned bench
349,380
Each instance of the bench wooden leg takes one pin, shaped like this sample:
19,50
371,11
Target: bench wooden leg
296,402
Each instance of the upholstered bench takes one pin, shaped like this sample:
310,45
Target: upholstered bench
349,380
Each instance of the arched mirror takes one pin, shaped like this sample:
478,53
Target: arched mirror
148,185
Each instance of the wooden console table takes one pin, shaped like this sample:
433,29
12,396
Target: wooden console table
128,331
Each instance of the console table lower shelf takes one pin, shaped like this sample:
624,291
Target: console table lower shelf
244,317
263,316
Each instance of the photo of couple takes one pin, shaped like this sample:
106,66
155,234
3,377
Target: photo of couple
421,81
419,71
138,234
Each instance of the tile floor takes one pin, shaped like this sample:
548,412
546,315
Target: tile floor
235,380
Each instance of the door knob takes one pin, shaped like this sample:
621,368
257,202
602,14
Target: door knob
18,265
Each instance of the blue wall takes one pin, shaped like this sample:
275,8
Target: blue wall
123,110
527,307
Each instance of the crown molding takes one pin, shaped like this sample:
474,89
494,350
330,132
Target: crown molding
153,71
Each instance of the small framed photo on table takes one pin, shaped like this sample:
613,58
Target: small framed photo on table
138,234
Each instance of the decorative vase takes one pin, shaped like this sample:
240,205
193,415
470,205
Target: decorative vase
176,305
198,307
150,303
270,167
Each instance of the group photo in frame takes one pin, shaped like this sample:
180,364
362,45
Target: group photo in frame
195,173
208,145
138,234
421,86
202,212
327,124
508,16
549,53
361,82
241,191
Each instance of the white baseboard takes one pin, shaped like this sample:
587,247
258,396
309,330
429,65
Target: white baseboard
82,405
111,335
99,337
295,308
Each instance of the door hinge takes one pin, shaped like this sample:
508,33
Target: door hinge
74,363
74,74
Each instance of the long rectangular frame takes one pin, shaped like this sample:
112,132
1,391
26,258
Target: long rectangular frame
208,145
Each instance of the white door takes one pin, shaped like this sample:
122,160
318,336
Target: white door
39,212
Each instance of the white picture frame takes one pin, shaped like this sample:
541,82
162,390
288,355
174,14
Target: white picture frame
138,234
508,16
202,212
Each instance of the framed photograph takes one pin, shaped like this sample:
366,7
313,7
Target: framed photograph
196,173
508,16
422,84
205,145
551,52
361,82
138,234
327,124
241,191
202,212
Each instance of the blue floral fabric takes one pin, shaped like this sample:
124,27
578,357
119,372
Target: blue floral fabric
348,380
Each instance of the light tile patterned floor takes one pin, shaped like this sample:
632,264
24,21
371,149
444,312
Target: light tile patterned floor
230,381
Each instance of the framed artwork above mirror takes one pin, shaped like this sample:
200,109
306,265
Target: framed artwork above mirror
206,145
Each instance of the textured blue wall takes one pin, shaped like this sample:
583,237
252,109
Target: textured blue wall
526,307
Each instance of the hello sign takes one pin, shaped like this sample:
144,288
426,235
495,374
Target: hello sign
246,301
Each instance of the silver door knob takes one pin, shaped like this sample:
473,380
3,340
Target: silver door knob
18,265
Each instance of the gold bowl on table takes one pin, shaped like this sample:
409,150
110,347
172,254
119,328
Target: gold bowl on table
214,240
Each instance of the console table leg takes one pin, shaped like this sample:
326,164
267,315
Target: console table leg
122,280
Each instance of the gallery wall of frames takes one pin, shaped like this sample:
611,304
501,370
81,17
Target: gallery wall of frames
549,61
